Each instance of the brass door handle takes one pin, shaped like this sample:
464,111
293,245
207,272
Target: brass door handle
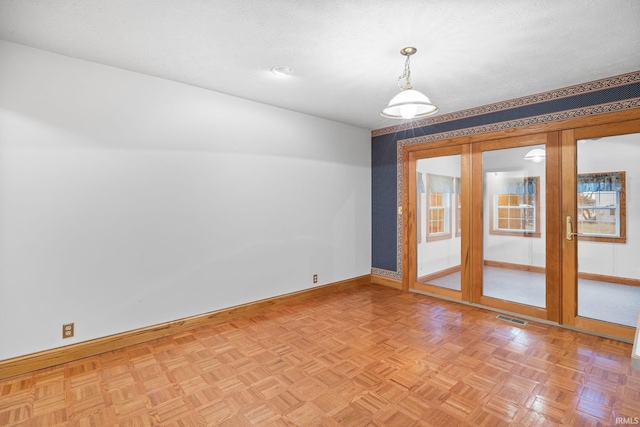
569,228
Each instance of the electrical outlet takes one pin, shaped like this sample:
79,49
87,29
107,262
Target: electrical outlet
68,330
315,278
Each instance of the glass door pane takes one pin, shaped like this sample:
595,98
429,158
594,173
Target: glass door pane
608,169
514,222
438,221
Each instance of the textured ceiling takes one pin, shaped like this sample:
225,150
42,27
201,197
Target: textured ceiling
345,53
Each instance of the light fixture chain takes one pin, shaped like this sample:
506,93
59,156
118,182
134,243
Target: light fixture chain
406,75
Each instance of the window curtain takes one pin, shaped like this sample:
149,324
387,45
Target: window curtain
440,183
592,182
420,184
524,185
458,186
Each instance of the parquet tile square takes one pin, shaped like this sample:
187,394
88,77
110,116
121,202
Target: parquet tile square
331,402
366,356
306,414
350,416
391,392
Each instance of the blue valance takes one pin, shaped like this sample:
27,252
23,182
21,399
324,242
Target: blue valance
440,183
523,185
592,182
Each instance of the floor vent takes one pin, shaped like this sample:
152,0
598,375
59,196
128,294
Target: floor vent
511,319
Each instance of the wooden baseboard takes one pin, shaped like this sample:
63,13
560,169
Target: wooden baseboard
386,281
607,329
511,266
439,274
44,359
587,276
609,279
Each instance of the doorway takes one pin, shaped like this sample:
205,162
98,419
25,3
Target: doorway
480,224
438,222
601,273
541,225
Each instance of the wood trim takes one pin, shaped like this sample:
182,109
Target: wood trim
514,307
439,274
512,266
535,269
438,291
44,359
476,224
465,226
607,124
609,279
386,281
408,218
598,129
553,229
514,142
609,329
635,353
514,233
569,208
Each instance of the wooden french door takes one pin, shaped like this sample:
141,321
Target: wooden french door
514,227
478,225
436,225
543,225
601,232
462,243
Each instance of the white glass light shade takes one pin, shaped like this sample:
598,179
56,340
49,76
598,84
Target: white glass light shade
536,155
409,104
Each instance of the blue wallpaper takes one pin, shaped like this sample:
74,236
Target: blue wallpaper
607,95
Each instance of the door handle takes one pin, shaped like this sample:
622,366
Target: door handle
569,228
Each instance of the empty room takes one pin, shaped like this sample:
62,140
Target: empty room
319,213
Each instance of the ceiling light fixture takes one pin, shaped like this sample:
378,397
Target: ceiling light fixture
409,103
282,70
536,155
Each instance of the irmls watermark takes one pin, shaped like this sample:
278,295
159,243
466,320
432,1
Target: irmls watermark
627,421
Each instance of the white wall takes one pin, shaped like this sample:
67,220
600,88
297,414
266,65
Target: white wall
127,200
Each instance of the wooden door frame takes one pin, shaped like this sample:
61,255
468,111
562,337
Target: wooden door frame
553,262
409,226
569,140
606,123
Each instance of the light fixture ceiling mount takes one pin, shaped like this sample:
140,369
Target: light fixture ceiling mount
282,70
408,51
408,104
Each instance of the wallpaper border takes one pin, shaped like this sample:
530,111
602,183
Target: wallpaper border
567,92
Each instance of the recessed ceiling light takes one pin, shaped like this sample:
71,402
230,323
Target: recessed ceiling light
282,70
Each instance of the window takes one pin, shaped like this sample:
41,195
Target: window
439,193
515,207
601,207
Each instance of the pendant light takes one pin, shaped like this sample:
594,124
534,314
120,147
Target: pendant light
536,155
408,104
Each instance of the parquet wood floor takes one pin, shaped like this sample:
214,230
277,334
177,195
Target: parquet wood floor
367,356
